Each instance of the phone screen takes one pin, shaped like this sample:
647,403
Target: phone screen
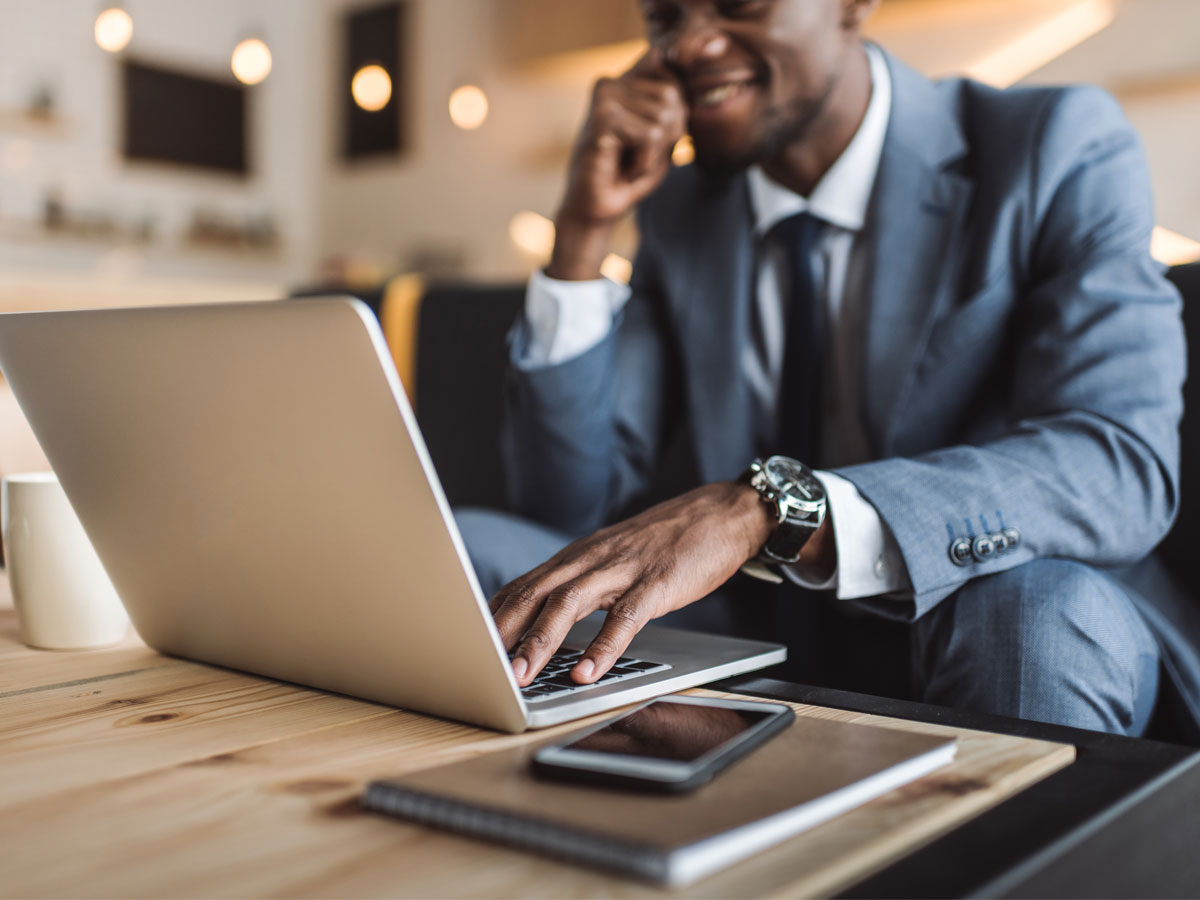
666,730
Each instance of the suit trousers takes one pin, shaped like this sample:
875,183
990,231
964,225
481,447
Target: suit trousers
1051,640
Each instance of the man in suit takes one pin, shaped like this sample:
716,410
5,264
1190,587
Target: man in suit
932,305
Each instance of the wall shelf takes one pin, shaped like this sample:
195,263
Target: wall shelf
119,239
24,122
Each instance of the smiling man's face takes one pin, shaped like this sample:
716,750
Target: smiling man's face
757,74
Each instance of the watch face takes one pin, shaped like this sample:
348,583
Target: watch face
793,480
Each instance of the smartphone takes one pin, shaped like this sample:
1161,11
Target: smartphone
672,744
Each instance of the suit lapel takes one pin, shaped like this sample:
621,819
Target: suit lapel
710,296
914,226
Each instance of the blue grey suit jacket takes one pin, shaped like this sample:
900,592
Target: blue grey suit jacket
1024,355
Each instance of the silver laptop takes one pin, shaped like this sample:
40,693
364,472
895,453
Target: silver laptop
253,479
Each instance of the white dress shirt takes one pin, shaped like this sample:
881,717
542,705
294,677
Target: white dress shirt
567,318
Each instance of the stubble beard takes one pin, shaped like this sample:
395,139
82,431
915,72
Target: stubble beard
781,126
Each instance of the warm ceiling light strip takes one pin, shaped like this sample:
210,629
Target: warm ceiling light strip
1044,42
933,15
1173,249
586,65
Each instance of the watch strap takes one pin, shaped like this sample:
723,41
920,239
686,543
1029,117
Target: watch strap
786,541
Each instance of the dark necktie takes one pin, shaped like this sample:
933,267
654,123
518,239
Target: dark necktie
798,407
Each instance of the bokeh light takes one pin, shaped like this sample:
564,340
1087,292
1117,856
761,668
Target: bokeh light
468,107
533,233
114,29
251,61
684,151
371,87
617,268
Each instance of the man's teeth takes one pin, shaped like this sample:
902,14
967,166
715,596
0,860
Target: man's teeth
716,95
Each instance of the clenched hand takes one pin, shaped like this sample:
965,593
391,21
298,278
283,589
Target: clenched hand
622,154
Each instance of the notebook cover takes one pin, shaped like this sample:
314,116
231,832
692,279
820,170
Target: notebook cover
495,796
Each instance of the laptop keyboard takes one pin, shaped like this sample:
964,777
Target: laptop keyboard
554,680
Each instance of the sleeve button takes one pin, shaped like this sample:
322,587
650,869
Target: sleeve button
983,548
960,552
1013,536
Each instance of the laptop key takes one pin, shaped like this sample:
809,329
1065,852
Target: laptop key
552,685
643,665
563,680
625,670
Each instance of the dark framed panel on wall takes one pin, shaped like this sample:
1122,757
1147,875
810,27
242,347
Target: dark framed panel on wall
375,35
183,118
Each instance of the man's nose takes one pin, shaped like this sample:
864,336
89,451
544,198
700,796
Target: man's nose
695,40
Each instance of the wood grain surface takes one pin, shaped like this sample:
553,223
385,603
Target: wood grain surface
124,773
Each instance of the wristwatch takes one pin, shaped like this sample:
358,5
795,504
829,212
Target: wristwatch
797,499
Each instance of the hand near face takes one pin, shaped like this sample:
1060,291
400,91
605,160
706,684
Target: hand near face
622,154
637,570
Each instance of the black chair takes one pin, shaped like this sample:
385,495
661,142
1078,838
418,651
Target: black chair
461,362
1178,550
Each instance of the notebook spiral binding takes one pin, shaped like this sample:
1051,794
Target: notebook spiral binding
543,837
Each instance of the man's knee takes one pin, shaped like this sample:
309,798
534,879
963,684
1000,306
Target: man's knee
1051,640
1045,607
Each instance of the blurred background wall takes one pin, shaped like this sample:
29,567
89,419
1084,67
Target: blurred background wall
82,221
73,208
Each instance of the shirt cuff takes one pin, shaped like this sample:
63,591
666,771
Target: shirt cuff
869,562
567,318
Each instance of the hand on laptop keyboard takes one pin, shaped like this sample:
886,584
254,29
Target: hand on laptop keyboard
665,558
555,680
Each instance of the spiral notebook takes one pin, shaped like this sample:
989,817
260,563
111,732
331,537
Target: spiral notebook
813,771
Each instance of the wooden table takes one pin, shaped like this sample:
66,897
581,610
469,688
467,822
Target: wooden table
127,773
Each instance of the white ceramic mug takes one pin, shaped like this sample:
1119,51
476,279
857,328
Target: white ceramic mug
63,597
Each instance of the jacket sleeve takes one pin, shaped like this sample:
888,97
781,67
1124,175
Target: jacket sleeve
581,439
1087,467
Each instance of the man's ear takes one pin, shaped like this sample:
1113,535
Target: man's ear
856,12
